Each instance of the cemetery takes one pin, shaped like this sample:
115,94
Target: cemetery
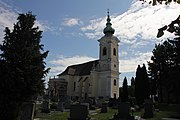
122,111
90,90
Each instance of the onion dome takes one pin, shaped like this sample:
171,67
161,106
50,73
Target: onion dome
108,30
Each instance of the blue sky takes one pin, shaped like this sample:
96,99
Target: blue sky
72,28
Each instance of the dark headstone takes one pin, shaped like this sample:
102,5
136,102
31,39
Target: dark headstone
67,102
99,102
148,109
104,108
93,99
27,111
45,107
89,101
112,102
79,112
123,112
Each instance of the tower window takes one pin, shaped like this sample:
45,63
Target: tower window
114,51
74,86
104,51
114,95
114,82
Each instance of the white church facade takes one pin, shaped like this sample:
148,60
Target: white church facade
98,78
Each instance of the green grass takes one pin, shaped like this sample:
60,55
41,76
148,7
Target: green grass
157,115
64,115
161,114
104,116
53,116
165,111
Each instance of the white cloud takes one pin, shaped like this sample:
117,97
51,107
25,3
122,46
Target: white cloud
72,21
122,54
130,65
125,65
138,25
8,16
94,29
44,26
60,63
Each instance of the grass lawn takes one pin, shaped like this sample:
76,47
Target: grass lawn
104,116
64,115
53,116
165,111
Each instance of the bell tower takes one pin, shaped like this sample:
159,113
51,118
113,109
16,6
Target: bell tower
109,62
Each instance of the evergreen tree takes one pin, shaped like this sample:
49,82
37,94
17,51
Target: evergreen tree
166,63
153,79
145,82
141,85
132,81
132,87
164,69
125,90
22,60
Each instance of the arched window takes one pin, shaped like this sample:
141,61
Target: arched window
114,51
114,95
74,86
114,82
104,51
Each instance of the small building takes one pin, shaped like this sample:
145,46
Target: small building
98,78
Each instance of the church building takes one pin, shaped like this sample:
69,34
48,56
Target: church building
98,78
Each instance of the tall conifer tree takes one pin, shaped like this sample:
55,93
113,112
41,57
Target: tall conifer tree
22,60
142,91
125,90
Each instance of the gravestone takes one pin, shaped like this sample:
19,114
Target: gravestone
79,112
99,102
148,109
27,111
104,108
45,107
87,104
60,106
89,101
123,112
67,102
112,102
